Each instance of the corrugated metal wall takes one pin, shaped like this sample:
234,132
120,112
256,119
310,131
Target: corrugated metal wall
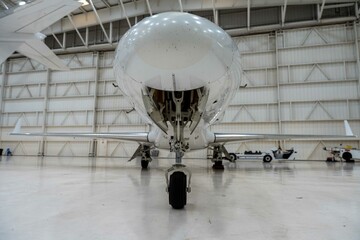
298,81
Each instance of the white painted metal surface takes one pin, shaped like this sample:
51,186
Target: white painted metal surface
20,30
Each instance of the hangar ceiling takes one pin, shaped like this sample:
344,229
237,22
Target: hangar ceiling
99,24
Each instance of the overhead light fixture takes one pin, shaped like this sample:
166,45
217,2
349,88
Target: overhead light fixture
21,3
83,2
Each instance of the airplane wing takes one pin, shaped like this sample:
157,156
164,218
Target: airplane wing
140,137
36,16
240,137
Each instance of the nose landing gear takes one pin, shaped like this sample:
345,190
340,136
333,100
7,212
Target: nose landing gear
178,179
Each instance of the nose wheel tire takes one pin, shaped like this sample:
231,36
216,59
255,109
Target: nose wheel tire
144,164
177,190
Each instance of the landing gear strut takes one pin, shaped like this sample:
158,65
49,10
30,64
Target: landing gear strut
217,158
145,157
144,152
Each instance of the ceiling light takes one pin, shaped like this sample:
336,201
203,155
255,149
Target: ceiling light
83,2
22,3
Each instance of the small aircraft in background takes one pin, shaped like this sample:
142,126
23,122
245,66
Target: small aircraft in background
180,72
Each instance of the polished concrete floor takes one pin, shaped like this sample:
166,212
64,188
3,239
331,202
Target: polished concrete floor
81,198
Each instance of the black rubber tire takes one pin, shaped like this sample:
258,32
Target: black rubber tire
218,165
267,158
177,190
144,164
232,157
347,156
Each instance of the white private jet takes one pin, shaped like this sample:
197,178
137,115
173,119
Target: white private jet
20,30
180,72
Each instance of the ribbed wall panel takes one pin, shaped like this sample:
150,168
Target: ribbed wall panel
261,77
65,119
255,43
319,91
318,127
254,95
73,75
298,81
68,149
20,78
315,111
258,60
107,74
317,54
317,36
76,88
113,102
251,113
29,119
80,60
317,72
119,117
70,104
24,106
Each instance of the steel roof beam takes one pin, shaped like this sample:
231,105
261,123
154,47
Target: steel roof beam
77,30
106,3
56,39
124,12
99,20
139,8
181,6
283,12
149,8
215,13
339,5
321,10
248,14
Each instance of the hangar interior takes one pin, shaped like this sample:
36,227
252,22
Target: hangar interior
299,60
300,74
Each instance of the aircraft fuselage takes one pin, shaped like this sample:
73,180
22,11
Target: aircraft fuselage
180,72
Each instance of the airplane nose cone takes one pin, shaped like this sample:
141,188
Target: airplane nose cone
180,46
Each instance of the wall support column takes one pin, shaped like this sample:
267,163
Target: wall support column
278,83
357,57
3,80
93,147
41,151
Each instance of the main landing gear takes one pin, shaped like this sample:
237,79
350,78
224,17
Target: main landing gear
144,152
217,158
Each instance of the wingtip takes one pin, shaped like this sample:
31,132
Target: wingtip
348,130
17,128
